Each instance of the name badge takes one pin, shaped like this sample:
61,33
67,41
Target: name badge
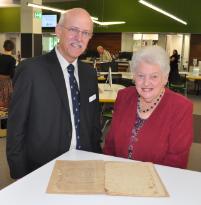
92,98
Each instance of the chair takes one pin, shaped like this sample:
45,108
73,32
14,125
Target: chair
179,86
106,119
114,66
104,66
116,78
127,82
3,132
3,118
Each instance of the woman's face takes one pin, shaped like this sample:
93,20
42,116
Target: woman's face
149,81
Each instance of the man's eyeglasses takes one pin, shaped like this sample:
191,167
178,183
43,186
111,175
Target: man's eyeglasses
76,31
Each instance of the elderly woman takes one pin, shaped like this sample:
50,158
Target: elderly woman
150,122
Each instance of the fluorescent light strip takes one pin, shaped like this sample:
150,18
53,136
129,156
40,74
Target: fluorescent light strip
45,8
162,11
107,23
52,9
94,19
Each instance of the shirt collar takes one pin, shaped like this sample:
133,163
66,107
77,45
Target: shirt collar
64,63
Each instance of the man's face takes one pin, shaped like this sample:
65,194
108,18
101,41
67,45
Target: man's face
74,35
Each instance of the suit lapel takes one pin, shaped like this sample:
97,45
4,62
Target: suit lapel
83,84
84,94
56,74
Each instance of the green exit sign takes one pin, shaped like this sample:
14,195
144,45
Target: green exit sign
38,14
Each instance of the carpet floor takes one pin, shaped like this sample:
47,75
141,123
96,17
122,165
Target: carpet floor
197,128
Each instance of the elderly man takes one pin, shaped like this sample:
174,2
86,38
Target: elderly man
104,54
55,105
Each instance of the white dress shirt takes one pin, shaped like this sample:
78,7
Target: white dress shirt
64,64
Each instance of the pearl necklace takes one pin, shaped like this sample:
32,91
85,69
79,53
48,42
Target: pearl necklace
152,106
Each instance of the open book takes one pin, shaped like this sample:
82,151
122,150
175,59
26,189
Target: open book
106,177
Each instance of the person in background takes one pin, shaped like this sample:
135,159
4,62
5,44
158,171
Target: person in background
104,54
55,105
18,57
7,70
150,122
174,76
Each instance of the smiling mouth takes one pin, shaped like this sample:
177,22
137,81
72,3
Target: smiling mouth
147,89
76,45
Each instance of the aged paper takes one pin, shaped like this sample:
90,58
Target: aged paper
77,177
133,179
106,177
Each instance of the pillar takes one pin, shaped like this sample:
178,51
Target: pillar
31,31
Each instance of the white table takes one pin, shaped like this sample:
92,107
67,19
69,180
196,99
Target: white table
183,72
183,186
127,75
197,82
108,94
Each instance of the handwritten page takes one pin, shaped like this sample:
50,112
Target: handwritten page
106,177
133,179
77,177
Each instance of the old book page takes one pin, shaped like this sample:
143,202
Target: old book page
106,177
77,177
133,179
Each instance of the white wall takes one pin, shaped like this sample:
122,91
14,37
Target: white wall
127,42
174,42
2,39
29,24
180,42
49,42
186,49
162,40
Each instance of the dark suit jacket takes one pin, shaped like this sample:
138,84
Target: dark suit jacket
39,123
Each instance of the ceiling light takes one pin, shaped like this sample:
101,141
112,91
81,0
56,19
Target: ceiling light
52,9
107,23
162,11
94,19
45,8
